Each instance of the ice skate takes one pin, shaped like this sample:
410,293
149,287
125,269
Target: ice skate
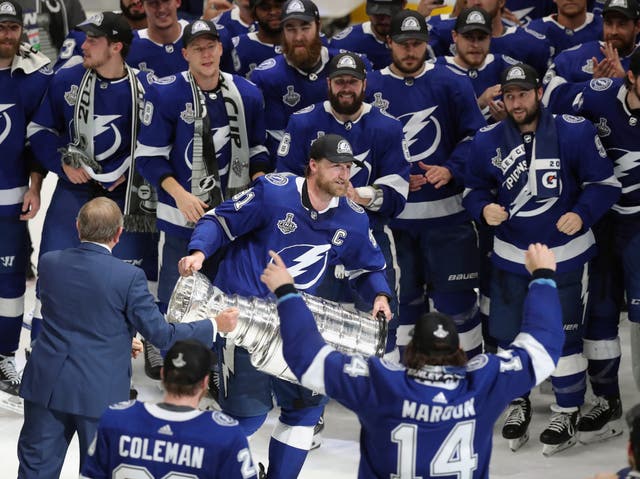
516,426
10,385
317,433
561,433
152,361
602,422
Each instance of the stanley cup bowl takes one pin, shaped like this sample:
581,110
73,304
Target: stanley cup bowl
258,329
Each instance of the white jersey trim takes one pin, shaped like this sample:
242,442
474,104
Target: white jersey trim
432,209
12,307
565,252
540,359
12,196
313,377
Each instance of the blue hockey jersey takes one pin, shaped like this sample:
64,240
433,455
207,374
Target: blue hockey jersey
248,52
562,38
438,425
528,10
376,139
536,195
361,39
569,74
155,59
271,216
165,140
21,89
439,114
52,125
481,78
137,439
520,43
287,89
233,23
71,47
603,102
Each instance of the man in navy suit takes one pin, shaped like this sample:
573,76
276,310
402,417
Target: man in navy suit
92,304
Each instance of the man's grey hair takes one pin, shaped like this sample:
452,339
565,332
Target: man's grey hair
99,220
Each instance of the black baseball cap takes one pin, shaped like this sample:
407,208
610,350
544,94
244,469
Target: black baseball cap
197,29
10,11
254,3
107,24
187,362
520,74
473,19
627,8
304,10
435,334
347,63
334,148
383,7
408,25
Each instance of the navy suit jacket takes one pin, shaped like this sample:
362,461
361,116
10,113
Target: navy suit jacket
92,305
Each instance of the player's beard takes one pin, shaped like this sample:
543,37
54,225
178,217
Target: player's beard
9,48
397,62
348,109
266,28
331,187
306,58
530,116
134,17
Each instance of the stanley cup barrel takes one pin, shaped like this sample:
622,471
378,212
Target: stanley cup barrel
258,329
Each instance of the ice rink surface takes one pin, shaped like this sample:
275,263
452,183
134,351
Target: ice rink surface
338,456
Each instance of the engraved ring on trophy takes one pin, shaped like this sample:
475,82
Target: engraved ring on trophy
258,329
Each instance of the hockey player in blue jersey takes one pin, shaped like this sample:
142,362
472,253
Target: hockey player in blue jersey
370,38
528,180
24,77
201,142
311,224
569,27
133,12
528,10
570,71
295,79
85,132
172,438
614,106
432,415
381,187
435,238
472,38
251,49
238,20
517,42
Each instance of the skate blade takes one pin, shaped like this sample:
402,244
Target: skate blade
613,429
515,444
317,442
11,403
551,449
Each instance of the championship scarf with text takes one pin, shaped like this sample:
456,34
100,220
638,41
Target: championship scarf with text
540,180
205,178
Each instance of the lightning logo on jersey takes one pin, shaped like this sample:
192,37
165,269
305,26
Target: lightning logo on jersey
307,263
422,142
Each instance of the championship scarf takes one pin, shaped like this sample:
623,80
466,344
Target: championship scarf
205,178
140,202
540,179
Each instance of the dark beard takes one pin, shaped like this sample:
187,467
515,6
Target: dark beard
418,66
345,109
134,17
307,59
527,119
270,32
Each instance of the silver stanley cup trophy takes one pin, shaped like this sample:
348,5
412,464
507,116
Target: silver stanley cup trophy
258,329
